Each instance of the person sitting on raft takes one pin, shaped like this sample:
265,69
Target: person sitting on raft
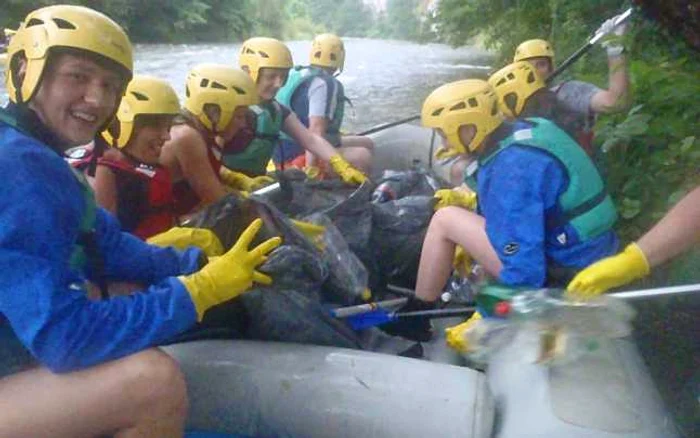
217,98
268,61
317,97
129,180
71,366
522,93
543,212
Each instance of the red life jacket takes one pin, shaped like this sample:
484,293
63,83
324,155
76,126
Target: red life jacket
153,207
186,199
145,193
79,157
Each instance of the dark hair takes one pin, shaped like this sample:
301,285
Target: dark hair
542,103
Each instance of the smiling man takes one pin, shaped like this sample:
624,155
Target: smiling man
70,366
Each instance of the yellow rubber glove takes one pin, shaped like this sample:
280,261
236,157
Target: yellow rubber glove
462,262
230,275
443,153
457,198
312,172
181,238
309,229
242,182
456,336
312,231
345,171
609,272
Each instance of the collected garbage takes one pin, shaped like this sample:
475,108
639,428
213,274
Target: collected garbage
565,329
402,206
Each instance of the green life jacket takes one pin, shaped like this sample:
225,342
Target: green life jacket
254,158
302,76
85,247
586,204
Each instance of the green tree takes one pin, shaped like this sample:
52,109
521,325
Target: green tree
402,19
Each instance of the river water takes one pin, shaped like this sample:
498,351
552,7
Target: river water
385,80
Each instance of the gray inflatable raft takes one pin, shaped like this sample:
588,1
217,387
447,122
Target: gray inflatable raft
268,389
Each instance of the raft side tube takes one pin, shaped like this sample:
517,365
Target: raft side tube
290,390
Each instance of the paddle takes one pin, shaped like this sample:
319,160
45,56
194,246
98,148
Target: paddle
344,312
586,47
560,69
374,315
382,316
389,125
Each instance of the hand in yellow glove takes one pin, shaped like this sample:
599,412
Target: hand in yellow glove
312,231
443,153
309,229
457,198
609,272
312,172
230,275
456,336
181,238
242,182
462,262
345,171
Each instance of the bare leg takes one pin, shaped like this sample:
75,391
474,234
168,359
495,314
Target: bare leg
450,226
142,395
357,150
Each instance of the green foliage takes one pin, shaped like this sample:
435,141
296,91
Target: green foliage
652,152
226,20
402,18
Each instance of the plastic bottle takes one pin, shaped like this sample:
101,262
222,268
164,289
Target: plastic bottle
384,192
343,262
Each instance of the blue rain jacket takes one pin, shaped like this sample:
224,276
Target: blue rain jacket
518,191
42,297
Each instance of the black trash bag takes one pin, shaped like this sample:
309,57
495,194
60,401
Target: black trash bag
347,282
294,315
397,184
289,310
402,206
398,231
231,215
348,208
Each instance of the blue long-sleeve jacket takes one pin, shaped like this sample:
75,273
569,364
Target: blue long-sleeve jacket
518,193
41,207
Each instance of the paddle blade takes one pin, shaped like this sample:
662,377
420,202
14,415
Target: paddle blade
370,319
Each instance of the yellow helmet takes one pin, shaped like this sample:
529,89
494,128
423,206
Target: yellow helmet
327,50
461,103
514,84
534,49
144,95
220,85
260,52
61,26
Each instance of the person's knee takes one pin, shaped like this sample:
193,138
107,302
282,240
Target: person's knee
366,143
360,158
440,220
155,379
